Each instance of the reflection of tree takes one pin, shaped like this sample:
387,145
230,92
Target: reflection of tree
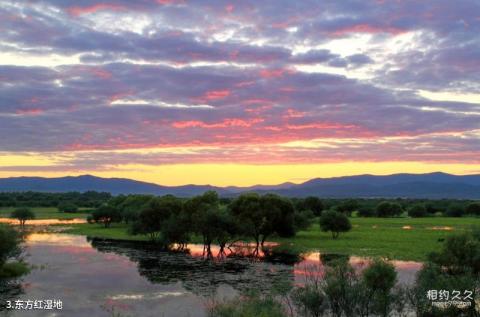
200,275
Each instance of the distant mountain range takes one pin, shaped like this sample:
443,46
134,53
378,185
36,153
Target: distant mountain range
432,185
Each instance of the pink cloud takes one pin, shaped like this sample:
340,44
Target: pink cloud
214,95
30,111
76,10
367,28
226,123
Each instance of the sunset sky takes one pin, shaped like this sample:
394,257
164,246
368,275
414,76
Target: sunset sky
238,92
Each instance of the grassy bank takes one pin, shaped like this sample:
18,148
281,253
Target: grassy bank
46,213
396,238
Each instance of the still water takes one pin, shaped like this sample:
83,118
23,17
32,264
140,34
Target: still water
92,277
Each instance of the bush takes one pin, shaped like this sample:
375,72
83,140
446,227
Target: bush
248,306
9,243
379,278
310,300
335,222
13,270
417,211
303,219
460,254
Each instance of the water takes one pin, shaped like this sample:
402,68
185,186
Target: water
93,276
44,222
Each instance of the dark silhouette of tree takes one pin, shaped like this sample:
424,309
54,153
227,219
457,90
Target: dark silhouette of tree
262,216
106,214
22,215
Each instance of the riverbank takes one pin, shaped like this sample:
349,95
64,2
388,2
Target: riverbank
409,239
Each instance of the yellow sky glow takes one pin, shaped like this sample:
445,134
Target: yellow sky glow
246,174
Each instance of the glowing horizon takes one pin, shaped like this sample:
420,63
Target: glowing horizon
223,175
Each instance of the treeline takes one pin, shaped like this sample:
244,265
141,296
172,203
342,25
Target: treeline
170,221
71,201
400,207
89,199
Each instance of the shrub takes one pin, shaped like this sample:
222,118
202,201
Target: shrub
310,300
303,219
335,222
248,306
13,270
9,243
379,278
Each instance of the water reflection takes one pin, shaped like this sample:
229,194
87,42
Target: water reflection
139,280
44,222
197,272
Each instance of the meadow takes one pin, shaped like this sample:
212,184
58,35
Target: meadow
410,239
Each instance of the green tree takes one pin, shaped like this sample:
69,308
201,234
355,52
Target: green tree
155,215
22,215
460,254
335,222
313,204
340,287
303,219
262,216
347,206
106,214
209,220
379,279
389,209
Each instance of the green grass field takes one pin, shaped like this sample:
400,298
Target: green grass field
384,237
116,231
46,213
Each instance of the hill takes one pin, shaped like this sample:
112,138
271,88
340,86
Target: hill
432,185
